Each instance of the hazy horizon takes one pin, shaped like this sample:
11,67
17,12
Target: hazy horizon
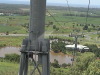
82,2
53,3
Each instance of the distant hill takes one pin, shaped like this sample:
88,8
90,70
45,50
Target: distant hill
48,4
13,6
20,8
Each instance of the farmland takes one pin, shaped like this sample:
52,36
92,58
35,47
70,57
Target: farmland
63,22
66,21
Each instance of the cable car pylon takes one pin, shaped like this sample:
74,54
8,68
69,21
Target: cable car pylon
35,44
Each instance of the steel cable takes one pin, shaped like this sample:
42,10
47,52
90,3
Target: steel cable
69,9
53,17
87,15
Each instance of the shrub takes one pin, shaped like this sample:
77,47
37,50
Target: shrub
2,45
54,26
58,46
12,57
85,27
55,64
93,48
64,65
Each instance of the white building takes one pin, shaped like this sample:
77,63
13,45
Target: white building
79,47
1,13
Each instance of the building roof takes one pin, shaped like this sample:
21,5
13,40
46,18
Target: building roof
1,13
78,46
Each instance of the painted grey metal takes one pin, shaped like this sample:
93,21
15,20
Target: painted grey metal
24,59
75,44
36,67
37,22
45,58
36,44
21,64
26,66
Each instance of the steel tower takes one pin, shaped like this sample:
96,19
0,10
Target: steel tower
35,44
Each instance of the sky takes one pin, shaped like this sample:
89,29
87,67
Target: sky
83,2
93,2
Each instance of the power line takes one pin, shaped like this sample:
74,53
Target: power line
88,12
69,13
69,8
53,17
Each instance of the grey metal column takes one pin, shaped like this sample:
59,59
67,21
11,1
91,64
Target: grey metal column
35,44
26,65
45,58
37,22
36,35
75,44
24,59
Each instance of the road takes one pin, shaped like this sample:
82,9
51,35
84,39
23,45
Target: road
87,35
27,35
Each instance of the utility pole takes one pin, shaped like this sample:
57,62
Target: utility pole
75,49
75,44
35,44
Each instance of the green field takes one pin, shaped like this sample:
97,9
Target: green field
64,21
8,68
11,41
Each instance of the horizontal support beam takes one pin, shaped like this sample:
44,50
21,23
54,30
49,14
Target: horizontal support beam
37,52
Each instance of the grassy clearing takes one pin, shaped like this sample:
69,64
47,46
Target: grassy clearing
58,71
13,29
11,41
8,28
13,24
8,68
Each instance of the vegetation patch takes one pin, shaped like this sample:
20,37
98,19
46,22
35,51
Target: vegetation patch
11,41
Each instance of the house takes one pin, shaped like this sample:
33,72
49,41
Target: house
79,47
1,14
